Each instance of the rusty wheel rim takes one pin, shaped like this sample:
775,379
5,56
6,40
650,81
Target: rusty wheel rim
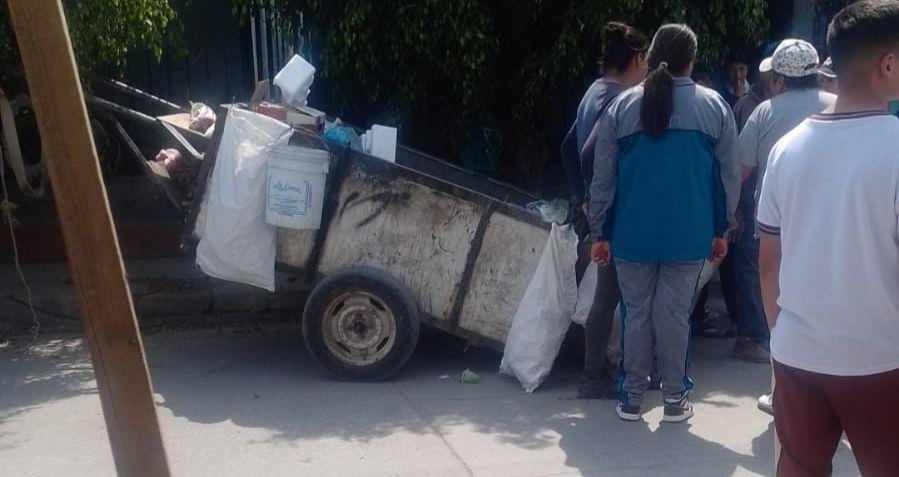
359,328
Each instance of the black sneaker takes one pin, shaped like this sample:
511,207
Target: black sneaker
678,411
628,413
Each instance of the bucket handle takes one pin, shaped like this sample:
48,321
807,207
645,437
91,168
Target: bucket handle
285,138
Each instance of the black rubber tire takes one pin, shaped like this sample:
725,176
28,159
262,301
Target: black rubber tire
376,282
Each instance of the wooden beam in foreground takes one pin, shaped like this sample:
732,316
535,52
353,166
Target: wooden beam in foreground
91,244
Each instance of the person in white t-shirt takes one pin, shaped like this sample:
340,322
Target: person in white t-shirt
829,225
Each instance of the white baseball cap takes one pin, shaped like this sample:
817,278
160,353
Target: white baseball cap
795,58
765,65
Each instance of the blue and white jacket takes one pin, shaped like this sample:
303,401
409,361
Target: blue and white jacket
663,200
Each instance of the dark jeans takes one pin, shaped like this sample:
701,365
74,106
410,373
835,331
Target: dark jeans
599,325
749,310
602,312
729,285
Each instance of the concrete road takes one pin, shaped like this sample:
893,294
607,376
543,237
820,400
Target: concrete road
249,402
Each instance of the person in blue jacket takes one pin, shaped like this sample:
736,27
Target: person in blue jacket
666,183
624,62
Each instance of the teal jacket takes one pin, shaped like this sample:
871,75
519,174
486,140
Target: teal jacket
665,199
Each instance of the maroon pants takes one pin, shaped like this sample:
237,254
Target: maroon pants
811,412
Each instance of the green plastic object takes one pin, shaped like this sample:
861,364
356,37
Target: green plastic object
469,377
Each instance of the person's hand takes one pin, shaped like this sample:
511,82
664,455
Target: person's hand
601,253
585,208
719,249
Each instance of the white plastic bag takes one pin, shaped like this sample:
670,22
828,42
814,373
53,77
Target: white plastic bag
544,314
586,292
237,244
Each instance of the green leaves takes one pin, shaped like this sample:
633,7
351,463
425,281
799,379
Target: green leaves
104,31
409,55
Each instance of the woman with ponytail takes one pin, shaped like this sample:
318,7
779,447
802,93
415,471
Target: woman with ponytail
665,186
624,62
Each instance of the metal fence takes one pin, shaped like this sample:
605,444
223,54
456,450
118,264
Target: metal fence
225,56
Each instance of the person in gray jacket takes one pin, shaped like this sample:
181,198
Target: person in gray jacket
665,186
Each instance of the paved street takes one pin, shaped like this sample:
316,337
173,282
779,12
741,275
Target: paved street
249,402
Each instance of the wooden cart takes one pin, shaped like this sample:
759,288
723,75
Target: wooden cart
419,240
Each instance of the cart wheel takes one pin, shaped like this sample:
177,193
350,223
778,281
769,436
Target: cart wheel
361,324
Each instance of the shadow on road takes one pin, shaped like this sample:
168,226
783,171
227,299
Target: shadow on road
266,380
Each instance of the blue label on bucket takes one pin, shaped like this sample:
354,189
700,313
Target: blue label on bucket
291,199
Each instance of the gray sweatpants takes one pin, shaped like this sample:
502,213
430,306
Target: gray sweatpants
657,299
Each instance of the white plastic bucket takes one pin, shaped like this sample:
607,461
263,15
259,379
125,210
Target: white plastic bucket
295,79
296,186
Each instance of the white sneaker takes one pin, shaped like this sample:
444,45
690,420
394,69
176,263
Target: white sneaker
766,404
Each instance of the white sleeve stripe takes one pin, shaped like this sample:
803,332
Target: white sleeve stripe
768,229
